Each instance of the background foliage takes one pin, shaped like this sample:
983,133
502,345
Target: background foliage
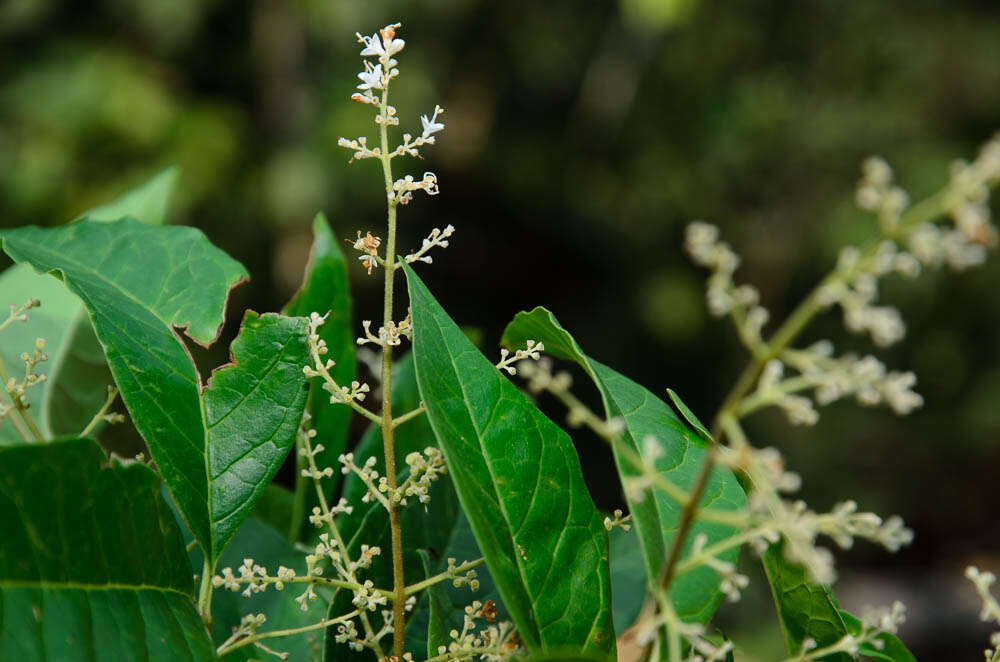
581,137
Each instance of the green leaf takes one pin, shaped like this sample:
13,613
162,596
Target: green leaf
519,481
252,412
656,515
150,202
139,283
805,610
628,578
892,650
92,566
325,289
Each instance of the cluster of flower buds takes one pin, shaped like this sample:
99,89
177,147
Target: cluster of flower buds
404,187
431,126
724,297
618,519
437,237
865,378
854,286
424,470
531,351
18,390
990,611
494,643
388,335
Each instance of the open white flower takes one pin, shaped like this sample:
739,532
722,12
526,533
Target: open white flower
432,126
371,77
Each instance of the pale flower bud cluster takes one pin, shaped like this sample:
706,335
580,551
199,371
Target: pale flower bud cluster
18,390
990,611
731,582
493,643
877,193
404,187
390,334
459,578
854,286
865,378
437,237
777,517
531,351
618,519
724,297
424,470
540,377
799,409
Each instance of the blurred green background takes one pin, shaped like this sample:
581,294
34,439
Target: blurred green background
581,137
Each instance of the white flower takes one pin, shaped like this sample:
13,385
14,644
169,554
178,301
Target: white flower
371,77
432,126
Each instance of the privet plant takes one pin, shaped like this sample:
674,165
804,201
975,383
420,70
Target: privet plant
459,526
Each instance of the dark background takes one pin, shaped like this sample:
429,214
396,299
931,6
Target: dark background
581,137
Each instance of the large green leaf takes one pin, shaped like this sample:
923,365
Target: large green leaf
805,610
77,372
92,566
140,282
325,289
695,594
519,481
252,411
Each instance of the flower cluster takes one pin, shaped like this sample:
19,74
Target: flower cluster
724,297
493,643
375,78
437,237
773,517
390,334
424,470
990,611
18,389
530,351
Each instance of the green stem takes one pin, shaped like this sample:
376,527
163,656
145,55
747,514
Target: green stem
205,594
228,647
112,394
301,494
395,527
440,577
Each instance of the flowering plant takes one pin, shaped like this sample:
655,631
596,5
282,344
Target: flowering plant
459,526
